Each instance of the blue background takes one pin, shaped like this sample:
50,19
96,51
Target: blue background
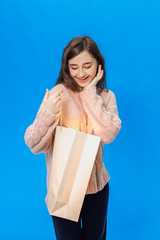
33,35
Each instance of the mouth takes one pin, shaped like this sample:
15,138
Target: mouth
83,79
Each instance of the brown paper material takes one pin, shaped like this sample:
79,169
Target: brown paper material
74,153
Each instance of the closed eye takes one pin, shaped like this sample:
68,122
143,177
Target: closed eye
74,68
88,67
84,67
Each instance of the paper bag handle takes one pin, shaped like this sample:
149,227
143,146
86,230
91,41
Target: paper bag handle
102,158
61,129
60,110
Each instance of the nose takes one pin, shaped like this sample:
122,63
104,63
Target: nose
81,73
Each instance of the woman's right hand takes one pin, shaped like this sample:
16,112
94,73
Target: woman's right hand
53,102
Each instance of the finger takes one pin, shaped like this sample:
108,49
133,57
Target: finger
99,77
61,91
47,93
55,95
99,70
57,99
59,103
100,73
58,93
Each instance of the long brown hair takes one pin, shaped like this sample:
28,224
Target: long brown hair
73,48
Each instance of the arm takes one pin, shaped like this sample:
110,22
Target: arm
102,113
38,136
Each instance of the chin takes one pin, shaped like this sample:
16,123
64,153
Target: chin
83,85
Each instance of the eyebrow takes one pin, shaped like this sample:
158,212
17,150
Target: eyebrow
76,64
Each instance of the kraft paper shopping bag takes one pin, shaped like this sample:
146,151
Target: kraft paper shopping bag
74,154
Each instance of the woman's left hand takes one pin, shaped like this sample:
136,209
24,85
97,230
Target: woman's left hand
96,79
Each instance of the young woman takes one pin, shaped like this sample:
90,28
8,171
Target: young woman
90,107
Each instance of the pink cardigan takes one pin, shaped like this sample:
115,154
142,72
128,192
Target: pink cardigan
85,111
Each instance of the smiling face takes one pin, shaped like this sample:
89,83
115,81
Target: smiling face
83,68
